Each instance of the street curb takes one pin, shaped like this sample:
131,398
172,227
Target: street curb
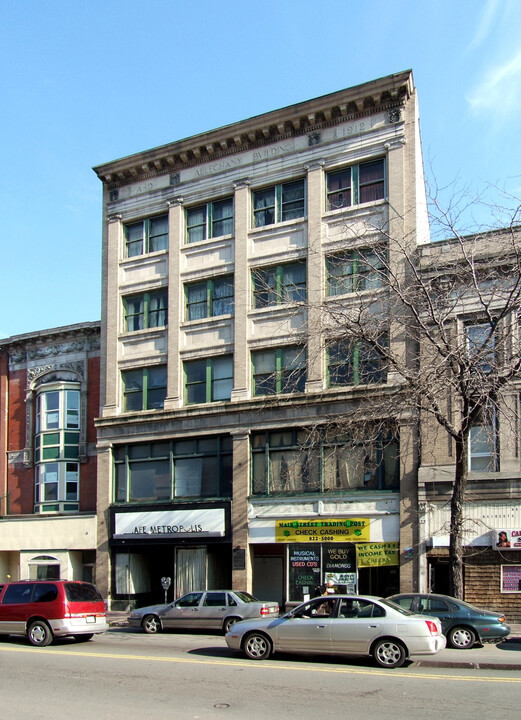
466,665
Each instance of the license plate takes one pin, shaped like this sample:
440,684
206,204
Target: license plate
91,619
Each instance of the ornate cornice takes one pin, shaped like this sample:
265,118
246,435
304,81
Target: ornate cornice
387,94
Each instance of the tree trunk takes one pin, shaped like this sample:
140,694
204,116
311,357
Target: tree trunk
456,517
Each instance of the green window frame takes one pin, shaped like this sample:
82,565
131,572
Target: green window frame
279,203
208,379
279,284
173,470
211,220
279,370
355,184
355,271
209,298
144,388
146,310
146,236
354,363
294,461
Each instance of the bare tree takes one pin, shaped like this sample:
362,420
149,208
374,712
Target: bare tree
432,330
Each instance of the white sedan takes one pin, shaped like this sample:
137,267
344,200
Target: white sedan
342,625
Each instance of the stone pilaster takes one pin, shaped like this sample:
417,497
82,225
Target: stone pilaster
241,578
241,365
112,318
175,302
315,293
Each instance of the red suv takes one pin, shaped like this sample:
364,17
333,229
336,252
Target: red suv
44,609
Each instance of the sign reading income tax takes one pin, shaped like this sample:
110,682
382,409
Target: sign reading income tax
377,554
322,530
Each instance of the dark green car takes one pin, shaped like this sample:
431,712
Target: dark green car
463,625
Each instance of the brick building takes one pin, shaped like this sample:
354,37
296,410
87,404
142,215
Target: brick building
49,397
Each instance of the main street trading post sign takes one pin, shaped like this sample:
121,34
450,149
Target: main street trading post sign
322,530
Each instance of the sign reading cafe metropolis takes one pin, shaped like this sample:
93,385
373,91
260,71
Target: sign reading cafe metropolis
169,523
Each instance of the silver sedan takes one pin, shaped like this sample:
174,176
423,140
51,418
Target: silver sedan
342,625
203,609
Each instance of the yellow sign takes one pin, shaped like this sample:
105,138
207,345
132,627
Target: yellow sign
322,530
377,554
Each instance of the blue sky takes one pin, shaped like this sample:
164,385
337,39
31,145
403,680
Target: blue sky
87,81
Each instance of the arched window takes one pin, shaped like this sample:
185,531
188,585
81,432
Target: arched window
44,567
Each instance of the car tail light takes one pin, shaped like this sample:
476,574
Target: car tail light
433,628
265,611
502,619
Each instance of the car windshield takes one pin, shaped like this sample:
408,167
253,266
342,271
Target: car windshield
397,607
245,597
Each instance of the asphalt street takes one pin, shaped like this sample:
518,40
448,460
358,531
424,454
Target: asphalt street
504,656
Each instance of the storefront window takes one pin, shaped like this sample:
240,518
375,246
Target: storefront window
311,566
165,471
290,462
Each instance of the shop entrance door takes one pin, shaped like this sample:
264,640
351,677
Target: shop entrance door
190,570
268,578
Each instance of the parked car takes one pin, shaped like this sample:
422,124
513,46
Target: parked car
205,609
341,625
43,609
464,625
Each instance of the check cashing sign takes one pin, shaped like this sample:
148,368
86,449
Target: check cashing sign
322,530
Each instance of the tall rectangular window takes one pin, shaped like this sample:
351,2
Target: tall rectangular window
208,380
279,203
209,298
483,439
355,271
210,220
356,184
146,236
480,340
279,284
146,310
354,363
144,388
279,370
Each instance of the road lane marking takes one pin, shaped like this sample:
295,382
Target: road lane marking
268,665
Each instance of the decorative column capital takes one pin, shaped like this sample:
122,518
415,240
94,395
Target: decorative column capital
314,165
175,202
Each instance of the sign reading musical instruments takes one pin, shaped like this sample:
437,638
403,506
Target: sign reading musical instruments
322,530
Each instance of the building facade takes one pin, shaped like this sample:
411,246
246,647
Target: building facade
221,383
480,277
49,397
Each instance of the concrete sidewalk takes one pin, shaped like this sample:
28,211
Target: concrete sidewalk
504,656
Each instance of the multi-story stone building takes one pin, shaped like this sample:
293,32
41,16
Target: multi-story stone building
49,397
218,464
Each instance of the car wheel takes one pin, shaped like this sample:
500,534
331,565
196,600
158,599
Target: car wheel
151,624
39,633
257,646
389,653
84,637
461,638
229,623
